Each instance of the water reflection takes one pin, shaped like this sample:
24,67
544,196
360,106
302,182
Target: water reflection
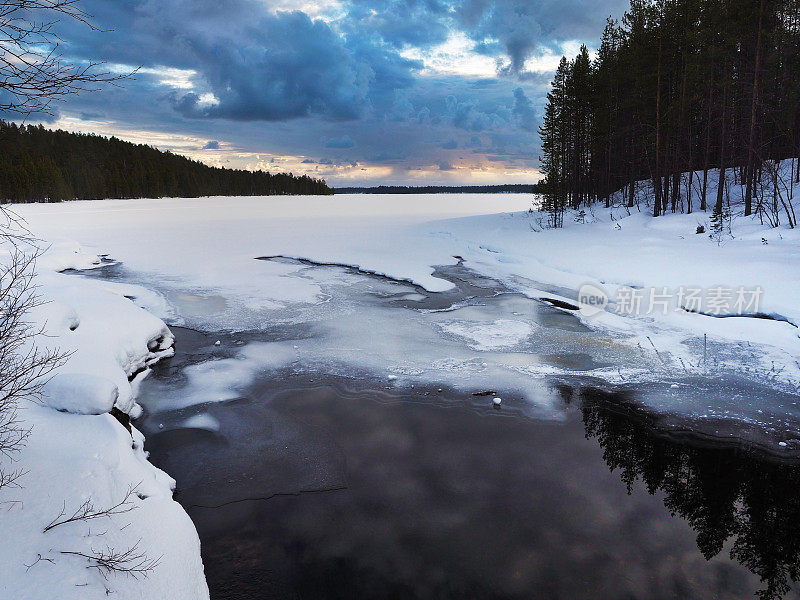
724,493
357,492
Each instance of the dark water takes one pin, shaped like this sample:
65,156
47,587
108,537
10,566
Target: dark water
329,488
316,486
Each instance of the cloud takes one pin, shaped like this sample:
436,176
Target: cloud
285,82
400,23
516,29
238,60
497,26
211,145
523,110
470,115
340,142
387,156
289,67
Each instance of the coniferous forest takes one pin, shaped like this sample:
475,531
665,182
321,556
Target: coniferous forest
41,165
677,87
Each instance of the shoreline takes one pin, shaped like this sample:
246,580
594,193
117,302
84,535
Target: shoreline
82,451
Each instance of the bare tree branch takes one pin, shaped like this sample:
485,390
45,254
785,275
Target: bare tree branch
24,367
37,561
131,562
87,511
33,71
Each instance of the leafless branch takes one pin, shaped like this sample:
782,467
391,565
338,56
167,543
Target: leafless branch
24,367
33,71
87,511
131,562
37,561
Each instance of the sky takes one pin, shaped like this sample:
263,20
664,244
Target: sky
411,92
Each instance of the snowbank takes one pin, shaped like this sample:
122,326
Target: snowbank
620,248
80,393
79,458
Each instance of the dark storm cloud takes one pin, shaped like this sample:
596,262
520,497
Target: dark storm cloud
265,66
308,81
515,28
291,66
399,22
258,65
512,29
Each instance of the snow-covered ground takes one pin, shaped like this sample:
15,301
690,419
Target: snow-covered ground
193,262
80,460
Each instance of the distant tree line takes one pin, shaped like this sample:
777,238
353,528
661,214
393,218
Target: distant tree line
677,86
42,165
445,189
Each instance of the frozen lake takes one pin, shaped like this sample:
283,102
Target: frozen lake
316,463
328,413
448,289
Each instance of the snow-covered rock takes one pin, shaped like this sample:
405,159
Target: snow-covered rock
80,393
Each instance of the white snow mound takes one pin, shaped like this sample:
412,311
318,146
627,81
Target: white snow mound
80,393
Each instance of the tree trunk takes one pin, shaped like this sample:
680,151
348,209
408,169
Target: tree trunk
750,172
689,193
631,193
657,200
657,177
707,152
676,190
722,141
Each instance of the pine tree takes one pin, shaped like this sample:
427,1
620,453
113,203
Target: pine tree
677,86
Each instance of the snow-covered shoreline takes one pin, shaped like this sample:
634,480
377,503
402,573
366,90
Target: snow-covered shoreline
79,456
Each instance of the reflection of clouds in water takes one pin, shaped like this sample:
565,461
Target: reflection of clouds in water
457,502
